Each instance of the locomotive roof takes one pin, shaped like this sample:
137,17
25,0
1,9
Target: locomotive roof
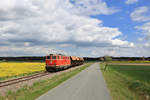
58,54
73,57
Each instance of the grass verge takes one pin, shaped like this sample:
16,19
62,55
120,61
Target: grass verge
124,85
39,88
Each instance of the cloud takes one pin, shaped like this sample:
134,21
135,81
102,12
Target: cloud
145,30
137,51
131,1
92,7
141,14
34,27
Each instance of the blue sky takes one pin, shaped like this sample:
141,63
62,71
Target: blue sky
122,19
75,27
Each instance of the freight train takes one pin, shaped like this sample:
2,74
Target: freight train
57,62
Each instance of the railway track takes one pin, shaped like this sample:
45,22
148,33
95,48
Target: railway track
22,79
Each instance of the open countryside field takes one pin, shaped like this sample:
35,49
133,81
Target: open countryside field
10,69
136,72
131,62
128,82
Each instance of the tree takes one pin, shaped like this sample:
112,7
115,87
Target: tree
143,58
101,59
107,59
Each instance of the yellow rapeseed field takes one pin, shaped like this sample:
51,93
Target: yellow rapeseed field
13,69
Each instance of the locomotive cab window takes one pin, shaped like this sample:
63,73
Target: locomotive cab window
53,57
48,57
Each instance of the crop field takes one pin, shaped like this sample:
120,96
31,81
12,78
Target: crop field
125,62
135,72
9,69
128,82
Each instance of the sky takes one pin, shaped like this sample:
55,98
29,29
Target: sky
89,28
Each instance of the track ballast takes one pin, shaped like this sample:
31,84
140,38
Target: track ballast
22,79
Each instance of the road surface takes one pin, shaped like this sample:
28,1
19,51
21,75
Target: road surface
87,85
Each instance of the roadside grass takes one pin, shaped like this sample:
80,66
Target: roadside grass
39,88
128,82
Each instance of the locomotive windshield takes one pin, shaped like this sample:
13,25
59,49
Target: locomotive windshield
48,57
53,57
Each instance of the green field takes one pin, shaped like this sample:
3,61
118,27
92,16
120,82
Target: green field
135,72
138,61
128,82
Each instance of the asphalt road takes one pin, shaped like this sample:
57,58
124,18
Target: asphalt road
87,85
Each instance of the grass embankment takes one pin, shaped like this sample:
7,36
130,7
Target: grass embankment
128,82
39,88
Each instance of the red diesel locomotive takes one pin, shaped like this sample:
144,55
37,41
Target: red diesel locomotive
56,62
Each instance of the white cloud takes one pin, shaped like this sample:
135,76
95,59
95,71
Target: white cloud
138,50
92,7
131,1
123,43
141,14
145,28
31,27
147,44
145,31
